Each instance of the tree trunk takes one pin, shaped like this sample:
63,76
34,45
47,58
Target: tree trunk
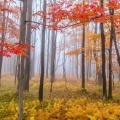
32,57
98,74
116,48
28,40
110,55
16,71
42,56
53,55
64,70
83,58
21,62
103,58
48,54
87,70
2,41
76,55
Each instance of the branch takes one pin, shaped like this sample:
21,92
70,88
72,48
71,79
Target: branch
52,25
77,23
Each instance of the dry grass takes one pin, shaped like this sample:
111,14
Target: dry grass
61,89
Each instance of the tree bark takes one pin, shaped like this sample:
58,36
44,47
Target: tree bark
83,58
2,41
76,55
110,55
42,56
28,40
116,48
64,70
21,60
103,58
53,55
48,54
16,71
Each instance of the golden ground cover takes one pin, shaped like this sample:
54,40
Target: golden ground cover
66,102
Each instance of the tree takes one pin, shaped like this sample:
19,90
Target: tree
42,55
110,54
48,46
64,68
83,58
2,41
21,60
9,31
28,40
98,69
103,57
53,55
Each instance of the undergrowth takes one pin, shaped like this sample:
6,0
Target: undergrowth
64,103
59,109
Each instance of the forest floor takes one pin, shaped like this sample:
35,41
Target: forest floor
68,91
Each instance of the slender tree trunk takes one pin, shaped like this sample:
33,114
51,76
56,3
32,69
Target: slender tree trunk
42,56
110,55
73,62
28,40
48,54
32,57
64,70
90,74
116,48
77,66
83,58
16,71
2,41
58,59
103,58
20,91
21,60
113,82
13,64
98,74
76,56
87,71
53,55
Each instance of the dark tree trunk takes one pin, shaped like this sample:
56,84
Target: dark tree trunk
103,58
42,56
21,60
28,40
83,58
110,56
116,48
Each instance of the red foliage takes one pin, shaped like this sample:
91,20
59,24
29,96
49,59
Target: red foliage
15,48
74,13
11,31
